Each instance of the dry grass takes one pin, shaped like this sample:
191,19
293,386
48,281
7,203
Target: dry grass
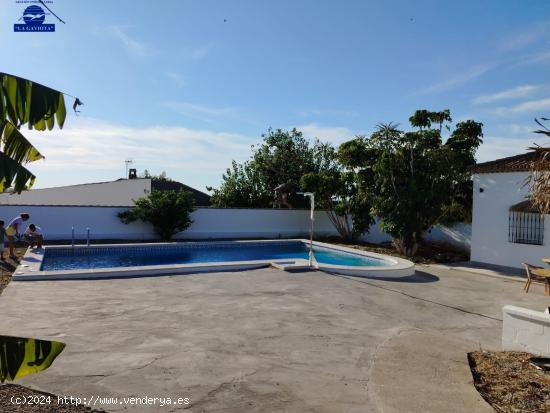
509,383
8,267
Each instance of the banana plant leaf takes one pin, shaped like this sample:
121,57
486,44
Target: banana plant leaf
23,101
13,174
15,145
21,356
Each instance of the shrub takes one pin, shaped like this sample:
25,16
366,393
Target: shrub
168,211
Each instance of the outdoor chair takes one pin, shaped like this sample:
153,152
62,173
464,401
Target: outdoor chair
531,277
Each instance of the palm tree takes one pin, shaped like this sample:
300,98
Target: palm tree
24,102
539,179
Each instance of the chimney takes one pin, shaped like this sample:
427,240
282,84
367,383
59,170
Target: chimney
132,173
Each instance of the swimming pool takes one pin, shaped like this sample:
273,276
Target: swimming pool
127,260
90,258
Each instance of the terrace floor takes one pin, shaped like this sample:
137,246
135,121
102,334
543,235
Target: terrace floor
268,341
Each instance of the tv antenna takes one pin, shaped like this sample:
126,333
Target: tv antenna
128,162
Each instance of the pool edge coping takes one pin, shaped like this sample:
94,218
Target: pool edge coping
29,267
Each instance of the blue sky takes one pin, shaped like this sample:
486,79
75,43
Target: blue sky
174,87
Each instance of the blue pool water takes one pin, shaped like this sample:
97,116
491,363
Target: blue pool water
139,255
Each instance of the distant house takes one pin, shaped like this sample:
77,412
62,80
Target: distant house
506,229
121,193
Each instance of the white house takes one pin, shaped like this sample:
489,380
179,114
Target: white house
119,193
505,229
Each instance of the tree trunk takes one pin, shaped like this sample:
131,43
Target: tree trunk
342,225
407,246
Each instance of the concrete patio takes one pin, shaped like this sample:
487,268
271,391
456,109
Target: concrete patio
269,341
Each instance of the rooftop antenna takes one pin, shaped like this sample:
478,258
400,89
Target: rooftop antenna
128,162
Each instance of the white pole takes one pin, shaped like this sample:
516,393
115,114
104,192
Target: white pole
311,197
312,219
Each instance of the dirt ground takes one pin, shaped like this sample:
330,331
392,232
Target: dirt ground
509,383
8,266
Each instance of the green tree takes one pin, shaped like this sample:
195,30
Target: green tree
23,102
283,157
169,212
414,178
347,205
161,177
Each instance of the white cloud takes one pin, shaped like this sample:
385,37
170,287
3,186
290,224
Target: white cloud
176,78
90,150
535,58
327,112
455,81
494,147
513,93
205,113
333,134
532,106
198,53
132,45
527,37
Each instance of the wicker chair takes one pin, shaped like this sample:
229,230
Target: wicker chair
531,277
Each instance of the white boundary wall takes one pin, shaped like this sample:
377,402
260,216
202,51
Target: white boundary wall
56,221
490,221
526,330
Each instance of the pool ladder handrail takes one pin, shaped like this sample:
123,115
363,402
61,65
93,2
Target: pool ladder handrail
87,237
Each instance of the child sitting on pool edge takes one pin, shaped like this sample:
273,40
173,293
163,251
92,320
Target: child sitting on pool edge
34,235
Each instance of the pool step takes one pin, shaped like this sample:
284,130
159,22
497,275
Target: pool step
292,266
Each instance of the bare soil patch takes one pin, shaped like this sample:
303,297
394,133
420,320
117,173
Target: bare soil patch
509,383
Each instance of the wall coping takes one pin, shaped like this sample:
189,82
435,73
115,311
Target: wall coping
526,313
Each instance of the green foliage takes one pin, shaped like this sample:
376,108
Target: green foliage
161,177
415,179
13,174
23,102
347,205
15,145
283,157
20,356
243,186
167,211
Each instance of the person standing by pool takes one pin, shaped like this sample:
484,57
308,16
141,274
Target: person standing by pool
12,231
34,235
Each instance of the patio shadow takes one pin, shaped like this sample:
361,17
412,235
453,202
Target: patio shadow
419,277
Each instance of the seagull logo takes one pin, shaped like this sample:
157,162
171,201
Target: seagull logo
30,16
33,18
